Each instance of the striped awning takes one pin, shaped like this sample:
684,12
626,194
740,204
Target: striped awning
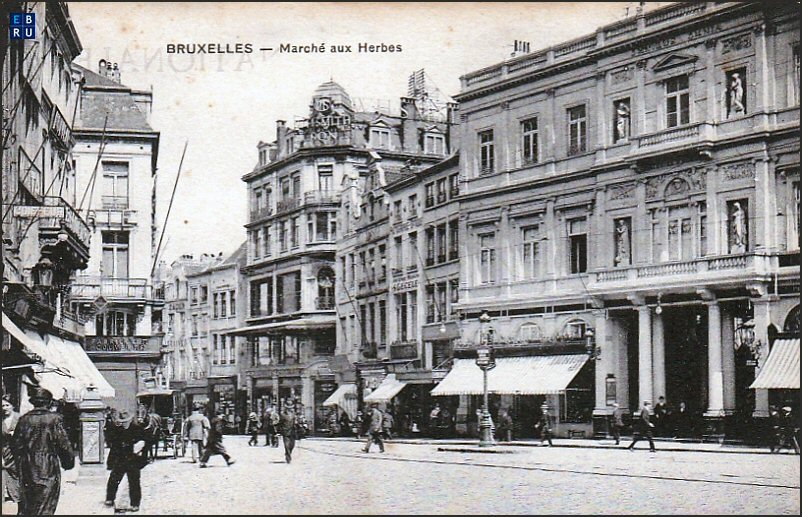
389,388
534,375
344,397
781,370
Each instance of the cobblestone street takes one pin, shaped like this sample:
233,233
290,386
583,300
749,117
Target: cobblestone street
335,477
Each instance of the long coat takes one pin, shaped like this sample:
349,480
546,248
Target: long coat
376,417
215,441
41,449
121,445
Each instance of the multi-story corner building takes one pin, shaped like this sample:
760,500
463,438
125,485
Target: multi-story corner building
45,240
295,191
642,182
115,161
423,285
185,319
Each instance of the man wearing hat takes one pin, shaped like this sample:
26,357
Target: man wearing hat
545,424
644,428
197,428
41,449
214,444
122,433
617,422
252,426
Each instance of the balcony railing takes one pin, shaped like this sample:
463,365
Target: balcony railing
669,269
321,196
261,213
54,214
115,202
285,205
324,303
90,287
668,136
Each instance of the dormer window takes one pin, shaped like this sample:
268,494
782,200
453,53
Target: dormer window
434,143
380,137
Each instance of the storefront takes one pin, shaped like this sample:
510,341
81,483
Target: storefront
223,398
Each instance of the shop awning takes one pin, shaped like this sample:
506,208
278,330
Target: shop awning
344,397
781,370
535,375
388,389
81,367
310,323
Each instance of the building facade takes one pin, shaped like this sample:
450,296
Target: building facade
630,215
298,187
115,161
45,239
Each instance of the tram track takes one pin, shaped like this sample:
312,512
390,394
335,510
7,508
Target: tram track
537,468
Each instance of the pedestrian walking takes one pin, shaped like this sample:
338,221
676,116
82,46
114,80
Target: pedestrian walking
545,425
214,444
617,422
270,426
375,429
252,426
644,428
41,449
504,426
9,475
197,429
286,426
387,425
122,433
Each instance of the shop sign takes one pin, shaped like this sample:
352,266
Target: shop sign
116,344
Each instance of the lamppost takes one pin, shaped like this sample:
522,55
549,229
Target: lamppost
485,362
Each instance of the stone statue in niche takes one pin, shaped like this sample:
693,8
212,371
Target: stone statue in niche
736,95
622,255
622,117
738,236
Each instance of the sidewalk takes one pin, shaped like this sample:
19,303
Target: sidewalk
663,444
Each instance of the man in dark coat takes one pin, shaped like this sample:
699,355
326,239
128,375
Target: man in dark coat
41,449
644,428
287,425
214,444
122,433
545,424
617,422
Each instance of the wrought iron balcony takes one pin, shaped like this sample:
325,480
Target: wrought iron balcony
285,205
324,303
321,197
54,215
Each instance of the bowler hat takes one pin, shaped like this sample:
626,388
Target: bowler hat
39,393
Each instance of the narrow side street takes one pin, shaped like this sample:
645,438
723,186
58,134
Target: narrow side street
330,476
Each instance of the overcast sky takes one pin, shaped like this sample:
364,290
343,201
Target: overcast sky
223,105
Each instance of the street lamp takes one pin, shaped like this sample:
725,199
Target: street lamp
485,362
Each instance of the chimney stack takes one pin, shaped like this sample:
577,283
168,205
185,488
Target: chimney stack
520,48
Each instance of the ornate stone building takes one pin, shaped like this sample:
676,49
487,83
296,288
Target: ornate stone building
630,218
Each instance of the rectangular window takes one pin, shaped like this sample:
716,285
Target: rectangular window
486,152
577,130
325,178
431,309
401,315
115,254
215,305
430,246
453,185
795,94
429,194
677,101
529,141
434,144
412,300
322,226
382,262
413,206
382,322
453,240
441,243
223,305
441,190
397,210
294,234
441,301
286,188
413,250
216,353
296,185
487,258
352,268
267,249
702,229
577,229
282,235
531,252
232,303
115,185
379,138
399,253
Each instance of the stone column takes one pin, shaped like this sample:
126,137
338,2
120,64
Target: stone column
762,319
645,391
715,371
728,358
605,365
601,119
659,356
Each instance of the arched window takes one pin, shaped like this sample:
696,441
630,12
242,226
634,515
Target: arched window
792,321
530,332
575,329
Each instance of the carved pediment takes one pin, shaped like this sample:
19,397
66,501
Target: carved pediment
674,60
